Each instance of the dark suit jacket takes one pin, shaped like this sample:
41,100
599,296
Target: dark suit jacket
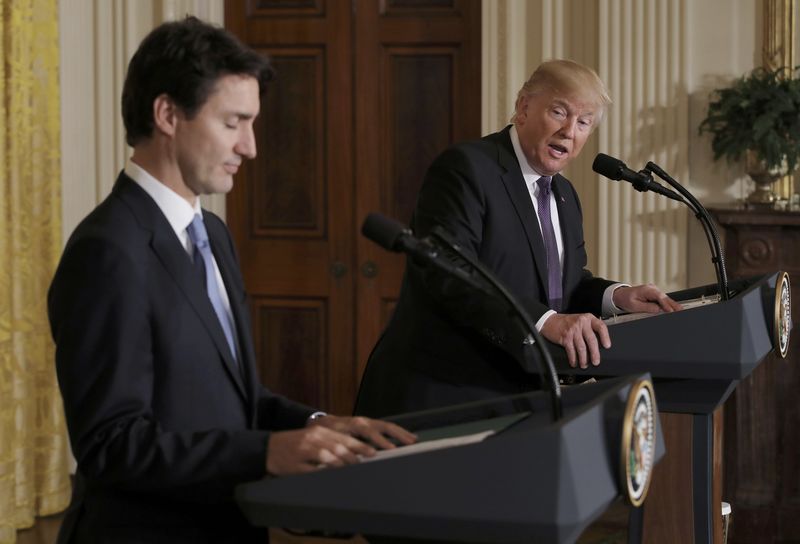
161,420
445,345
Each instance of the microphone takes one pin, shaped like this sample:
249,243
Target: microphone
394,236
642,180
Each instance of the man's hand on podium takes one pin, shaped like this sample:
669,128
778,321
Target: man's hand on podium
578,334
331,441
644,298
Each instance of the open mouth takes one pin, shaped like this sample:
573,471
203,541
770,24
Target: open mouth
559,149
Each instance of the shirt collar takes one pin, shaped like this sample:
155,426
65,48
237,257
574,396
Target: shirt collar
528,172
176,209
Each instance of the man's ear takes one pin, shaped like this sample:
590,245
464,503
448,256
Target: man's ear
521,107
165,114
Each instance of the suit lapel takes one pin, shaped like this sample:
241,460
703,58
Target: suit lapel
521,200
177,263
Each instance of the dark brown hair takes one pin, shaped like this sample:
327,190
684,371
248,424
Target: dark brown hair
184,60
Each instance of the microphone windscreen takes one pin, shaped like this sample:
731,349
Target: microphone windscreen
383,231
608,166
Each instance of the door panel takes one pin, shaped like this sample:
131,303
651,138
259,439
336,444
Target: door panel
295,331
290,211
418,80
291,126
418,131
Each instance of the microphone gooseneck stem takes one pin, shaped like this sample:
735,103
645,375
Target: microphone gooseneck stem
547,368
717,255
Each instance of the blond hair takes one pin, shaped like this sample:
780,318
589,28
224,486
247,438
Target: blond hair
565,77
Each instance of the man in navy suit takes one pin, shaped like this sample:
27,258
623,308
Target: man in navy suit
505,202
154,353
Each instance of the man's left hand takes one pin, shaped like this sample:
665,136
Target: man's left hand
644,298
373,431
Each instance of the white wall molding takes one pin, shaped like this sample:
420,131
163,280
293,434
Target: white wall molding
643,60
97,39
505,64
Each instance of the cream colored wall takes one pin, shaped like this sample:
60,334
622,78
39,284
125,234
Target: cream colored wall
97,38
725,43
660,59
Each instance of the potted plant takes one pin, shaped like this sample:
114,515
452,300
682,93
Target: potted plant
757,118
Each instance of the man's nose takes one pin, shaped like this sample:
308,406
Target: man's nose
246,146
568,128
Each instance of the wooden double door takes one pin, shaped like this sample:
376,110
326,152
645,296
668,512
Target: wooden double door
366,94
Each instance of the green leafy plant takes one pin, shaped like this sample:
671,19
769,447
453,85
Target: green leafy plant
758,112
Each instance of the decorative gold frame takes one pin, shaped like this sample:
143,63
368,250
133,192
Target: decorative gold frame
778,50
627,431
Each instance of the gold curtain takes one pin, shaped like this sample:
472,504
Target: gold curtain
34,455
779,35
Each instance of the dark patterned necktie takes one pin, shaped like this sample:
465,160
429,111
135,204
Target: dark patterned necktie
554,293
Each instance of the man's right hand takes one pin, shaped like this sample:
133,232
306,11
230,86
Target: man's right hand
578,334
309,448
329,442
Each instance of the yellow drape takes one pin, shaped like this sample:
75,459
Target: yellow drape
34,477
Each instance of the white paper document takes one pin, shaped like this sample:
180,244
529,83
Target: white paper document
687,305
429,445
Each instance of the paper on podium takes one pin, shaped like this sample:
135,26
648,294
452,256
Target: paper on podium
687,305
430,445
450,437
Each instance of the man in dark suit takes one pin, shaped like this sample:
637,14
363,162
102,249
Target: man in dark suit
504,201
154,353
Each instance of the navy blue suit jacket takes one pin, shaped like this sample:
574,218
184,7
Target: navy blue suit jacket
445,345
163,422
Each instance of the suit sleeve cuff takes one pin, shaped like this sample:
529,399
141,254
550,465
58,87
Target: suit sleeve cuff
315,415
608,307
545,317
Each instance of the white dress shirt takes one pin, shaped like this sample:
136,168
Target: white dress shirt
531,176
179,214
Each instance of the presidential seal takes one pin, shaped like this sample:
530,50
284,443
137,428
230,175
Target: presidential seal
783,314
638,442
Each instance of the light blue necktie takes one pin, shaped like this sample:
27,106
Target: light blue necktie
204,263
